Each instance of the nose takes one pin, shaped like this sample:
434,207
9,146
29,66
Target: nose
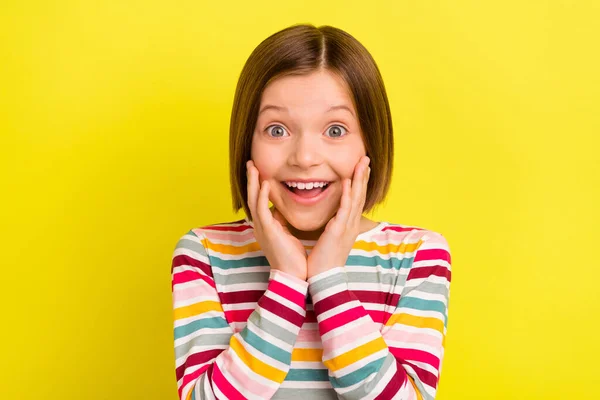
306,152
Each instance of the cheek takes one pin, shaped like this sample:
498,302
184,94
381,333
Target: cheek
267,165
346,164
345,161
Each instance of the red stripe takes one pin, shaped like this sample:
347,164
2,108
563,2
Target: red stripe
379,317
243,296
376,297
287,293
197,359
394,385
333,301
424,376
425,272
341,319
402,228
310,317
192,377
432,254
237,315
416,355
183,259
239,228
224,386
281,311
190,276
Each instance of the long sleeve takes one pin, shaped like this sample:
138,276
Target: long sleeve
403,359
211,360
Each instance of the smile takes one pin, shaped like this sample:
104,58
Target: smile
304,195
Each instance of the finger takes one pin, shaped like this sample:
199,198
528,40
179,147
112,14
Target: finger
262,207
345,203
363,197
358,186
252,188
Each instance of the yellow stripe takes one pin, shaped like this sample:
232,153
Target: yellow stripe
196,308
307,355
359,245
417,322
189,395
255,364
343,360
232,250
372,246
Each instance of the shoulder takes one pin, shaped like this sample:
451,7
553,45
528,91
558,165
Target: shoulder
232,233
197,246
412,234
427,247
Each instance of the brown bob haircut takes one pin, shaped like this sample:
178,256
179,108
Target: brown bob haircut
303,49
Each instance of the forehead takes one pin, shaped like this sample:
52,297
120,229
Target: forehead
319,89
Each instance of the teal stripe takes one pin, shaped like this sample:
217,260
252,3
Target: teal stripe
374,261
306,394
307,375
232,264
205,323
423,305
358,375
265,347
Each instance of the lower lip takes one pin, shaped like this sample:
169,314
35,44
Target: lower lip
307,201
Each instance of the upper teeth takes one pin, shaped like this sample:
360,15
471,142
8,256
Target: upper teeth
308,186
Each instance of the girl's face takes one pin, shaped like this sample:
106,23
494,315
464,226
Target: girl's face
307,133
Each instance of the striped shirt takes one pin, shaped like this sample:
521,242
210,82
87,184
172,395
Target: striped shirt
374,328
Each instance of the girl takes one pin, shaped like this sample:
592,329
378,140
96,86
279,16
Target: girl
310,299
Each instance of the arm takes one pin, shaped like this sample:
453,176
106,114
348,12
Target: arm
403,360
213,362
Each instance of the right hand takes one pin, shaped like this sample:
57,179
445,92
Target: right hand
282,249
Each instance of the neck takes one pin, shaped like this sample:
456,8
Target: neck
305,235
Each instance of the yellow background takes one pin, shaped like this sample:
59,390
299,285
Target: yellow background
114,136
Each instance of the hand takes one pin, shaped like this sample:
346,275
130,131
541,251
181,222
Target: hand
284,252
336,241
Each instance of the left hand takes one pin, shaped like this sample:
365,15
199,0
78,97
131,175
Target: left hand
336,241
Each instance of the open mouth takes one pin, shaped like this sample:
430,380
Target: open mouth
306,193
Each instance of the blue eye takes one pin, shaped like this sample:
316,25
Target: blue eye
337,131
279,131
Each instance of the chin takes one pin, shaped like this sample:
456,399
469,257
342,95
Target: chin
307,223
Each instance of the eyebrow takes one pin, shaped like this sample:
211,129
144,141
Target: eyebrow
340,107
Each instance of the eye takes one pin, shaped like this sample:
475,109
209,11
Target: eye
278,131
337,131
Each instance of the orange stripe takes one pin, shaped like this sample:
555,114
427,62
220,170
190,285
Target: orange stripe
231,249
350,357
196,308
372,246
417,322
307,355
256,365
